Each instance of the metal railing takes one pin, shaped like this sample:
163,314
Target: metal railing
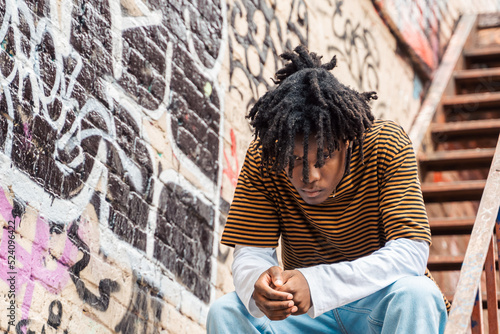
467,313
467,307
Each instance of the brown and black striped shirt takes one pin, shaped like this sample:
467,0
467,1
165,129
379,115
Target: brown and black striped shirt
379,200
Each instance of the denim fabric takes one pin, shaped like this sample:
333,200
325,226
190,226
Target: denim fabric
411,305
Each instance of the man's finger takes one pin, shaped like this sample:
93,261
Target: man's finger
272,294
274,312
272,306
276,278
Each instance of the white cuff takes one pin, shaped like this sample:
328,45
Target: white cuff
335,285
249,263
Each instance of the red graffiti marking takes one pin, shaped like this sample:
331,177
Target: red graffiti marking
418,23
232,174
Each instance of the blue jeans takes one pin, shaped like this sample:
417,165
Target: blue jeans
410,305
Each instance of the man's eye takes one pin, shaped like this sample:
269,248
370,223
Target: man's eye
326,156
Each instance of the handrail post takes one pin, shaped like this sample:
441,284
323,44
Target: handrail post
477,313
491,288
475,256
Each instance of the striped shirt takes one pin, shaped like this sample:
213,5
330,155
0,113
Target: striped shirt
380,200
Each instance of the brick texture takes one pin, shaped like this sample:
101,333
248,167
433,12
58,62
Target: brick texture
112,235
65,128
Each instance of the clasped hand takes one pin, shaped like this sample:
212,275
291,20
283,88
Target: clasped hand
280,293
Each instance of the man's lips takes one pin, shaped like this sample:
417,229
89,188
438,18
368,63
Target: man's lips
311,192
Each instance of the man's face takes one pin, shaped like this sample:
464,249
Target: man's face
323,180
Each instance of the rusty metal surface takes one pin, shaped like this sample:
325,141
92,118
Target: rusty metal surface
475,256
440,80
491,288
489,20
476,318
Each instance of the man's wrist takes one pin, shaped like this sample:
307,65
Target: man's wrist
309,276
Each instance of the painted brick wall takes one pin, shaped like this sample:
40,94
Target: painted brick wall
104,105
121,138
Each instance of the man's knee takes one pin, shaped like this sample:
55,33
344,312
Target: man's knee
408,304
419,296
417,288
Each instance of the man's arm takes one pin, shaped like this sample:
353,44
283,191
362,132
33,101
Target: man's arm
256,276
338,284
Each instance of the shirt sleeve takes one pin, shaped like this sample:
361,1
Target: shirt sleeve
401,203
335,285
252,218
249,263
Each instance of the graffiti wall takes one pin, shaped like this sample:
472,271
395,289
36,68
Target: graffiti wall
110,140
122,133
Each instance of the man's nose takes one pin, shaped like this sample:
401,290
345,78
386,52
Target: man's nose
314,174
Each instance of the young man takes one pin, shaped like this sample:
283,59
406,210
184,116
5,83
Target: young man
342,192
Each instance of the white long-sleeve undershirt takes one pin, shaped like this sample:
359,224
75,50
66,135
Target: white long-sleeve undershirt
338,284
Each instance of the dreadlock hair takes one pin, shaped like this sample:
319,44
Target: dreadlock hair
309,100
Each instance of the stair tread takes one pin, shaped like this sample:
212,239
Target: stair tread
489,51
451,226
470,190
450,296
476,98
458,185
445,262
446,259
476,74
449,220
466,126
456,155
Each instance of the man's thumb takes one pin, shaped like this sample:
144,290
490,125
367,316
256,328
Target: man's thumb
276,276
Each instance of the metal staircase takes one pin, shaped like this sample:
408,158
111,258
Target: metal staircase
457,139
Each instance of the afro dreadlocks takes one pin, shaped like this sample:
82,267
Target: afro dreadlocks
309,100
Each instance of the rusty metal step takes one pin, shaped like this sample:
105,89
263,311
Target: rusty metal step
480,80
444,262
451,226
447,262
483,297
483,55
456,159
472,101
477,75
490,51
453,191
479,127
